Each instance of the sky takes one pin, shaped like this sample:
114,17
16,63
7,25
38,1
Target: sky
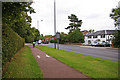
93,13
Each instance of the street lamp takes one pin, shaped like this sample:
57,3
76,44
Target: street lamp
38,24
58,37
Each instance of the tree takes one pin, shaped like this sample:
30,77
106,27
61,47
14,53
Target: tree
75,23
48,36
15,15
115,15
36,33
91,30
63,37
76,36
13,11
116,40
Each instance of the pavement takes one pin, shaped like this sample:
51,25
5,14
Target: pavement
53,68
98,47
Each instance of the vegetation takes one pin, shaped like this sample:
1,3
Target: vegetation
11,43
75,23
115,15
15,15
91,30
116,40
54,41
76,37
63,38
91,66
48,36
23,65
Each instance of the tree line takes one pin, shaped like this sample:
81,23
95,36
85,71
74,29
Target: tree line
74,35
15,15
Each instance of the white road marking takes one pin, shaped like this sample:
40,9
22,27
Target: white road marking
38,56
47,55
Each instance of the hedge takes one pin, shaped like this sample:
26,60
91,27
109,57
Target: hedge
11,43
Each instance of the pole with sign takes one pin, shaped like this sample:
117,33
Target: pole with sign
58,37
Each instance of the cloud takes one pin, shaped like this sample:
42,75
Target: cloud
93,13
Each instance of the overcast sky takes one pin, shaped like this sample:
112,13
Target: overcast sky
93,13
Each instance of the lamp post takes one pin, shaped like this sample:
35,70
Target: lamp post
38,24
58,37
55,22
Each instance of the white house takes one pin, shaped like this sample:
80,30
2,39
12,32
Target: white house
101,36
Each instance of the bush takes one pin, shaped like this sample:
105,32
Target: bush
53,41
63,38
11,43
116,40
76,37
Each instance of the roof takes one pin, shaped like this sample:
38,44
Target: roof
83,30
101,32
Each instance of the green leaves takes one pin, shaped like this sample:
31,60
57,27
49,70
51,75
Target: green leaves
116,40
11,43
76,36
115,15
15,15
75,23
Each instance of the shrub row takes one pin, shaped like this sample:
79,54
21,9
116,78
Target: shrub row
11,43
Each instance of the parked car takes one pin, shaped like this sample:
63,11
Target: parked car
105,44
40,41
100,44
45,41
96,43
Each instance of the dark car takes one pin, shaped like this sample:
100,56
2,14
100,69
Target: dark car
105,44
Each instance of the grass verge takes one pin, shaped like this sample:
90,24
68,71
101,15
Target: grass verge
23,65
91,66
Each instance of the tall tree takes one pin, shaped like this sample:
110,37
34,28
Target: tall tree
15,15
115,15
75,23
13,11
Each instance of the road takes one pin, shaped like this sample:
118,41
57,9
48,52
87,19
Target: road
104,53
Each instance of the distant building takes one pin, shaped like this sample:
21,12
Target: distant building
101,36
84,32
52,38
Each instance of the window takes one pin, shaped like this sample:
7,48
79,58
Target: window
89,42
89,36
102,36
95,36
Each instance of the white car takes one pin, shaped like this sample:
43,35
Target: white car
96,43
40,41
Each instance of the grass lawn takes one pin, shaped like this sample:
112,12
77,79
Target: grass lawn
91,66
23,65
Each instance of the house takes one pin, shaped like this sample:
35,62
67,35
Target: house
84,32
101,36
52,38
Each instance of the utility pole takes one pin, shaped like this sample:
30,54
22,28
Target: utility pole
55,22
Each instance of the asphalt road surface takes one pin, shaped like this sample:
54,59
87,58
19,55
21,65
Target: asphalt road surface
104,53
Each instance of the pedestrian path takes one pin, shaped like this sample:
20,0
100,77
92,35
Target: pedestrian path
53,68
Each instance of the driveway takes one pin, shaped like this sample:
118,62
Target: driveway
104,53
